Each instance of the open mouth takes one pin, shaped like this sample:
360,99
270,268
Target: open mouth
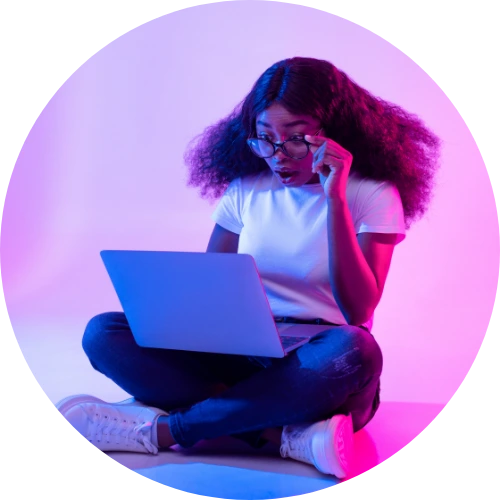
285,174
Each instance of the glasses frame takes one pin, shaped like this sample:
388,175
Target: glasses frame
281,145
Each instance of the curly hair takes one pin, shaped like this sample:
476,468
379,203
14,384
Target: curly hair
387,143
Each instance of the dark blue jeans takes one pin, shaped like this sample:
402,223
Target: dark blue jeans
211,395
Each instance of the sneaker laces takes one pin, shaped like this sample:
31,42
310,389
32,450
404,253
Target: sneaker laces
108,424
296,442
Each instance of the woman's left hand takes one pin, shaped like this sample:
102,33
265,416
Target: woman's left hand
332,163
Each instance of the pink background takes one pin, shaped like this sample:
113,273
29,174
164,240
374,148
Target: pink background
102,168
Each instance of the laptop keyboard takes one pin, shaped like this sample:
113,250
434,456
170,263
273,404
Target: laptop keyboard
289,340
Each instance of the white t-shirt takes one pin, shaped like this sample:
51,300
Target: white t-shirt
284,229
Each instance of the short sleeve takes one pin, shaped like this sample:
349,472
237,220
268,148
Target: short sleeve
228,211
381,211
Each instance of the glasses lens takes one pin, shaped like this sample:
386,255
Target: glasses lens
296,149
261,148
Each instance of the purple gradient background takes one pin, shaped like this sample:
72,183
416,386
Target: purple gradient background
102,168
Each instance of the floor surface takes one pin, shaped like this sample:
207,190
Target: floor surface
225,467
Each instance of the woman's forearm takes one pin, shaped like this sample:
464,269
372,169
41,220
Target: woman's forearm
353,283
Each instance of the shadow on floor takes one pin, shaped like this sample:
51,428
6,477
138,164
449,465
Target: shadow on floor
228,468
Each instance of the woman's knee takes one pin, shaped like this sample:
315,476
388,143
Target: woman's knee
353,340
100,331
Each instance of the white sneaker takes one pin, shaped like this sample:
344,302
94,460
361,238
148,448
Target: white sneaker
328,445
125,426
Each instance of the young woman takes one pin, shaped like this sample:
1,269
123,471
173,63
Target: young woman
319,181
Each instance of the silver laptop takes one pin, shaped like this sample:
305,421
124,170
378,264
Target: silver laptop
208,302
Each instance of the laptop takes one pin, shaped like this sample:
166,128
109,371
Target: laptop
208,302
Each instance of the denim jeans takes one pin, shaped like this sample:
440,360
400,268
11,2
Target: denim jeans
211,395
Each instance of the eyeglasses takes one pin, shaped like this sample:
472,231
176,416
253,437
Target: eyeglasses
293,148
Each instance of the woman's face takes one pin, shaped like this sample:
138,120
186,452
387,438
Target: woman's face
277,124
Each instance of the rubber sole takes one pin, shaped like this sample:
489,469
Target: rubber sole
333,448
65,404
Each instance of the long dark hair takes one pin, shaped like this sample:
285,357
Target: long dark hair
387,142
